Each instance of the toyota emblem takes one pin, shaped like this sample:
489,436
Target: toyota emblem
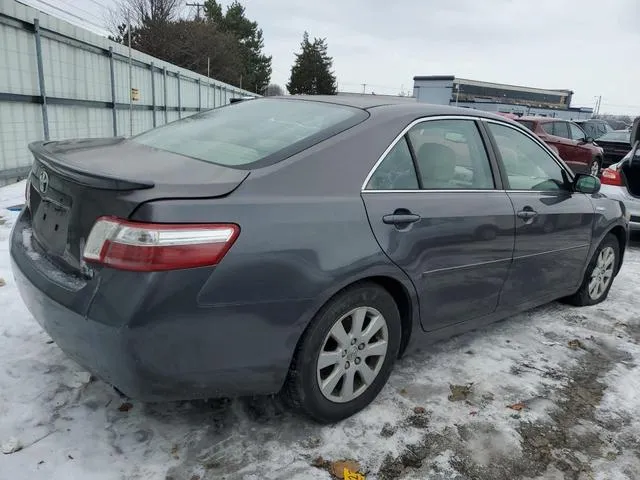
44,181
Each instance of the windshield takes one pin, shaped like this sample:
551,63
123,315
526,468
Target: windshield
617,136
245,133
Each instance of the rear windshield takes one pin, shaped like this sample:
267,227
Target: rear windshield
616,136
526,123
252,133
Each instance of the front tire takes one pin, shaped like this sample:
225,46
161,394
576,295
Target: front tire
599,275
346,355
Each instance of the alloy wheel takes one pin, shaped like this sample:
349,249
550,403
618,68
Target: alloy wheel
595,168
352,354
602,273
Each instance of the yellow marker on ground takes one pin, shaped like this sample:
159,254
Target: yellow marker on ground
349,475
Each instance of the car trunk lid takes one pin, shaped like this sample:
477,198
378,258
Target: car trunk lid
73,183
631,175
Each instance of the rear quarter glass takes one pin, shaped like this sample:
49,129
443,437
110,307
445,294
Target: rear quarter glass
253,133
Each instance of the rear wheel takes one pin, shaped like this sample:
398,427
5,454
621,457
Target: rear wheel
346,355
594,168
599,275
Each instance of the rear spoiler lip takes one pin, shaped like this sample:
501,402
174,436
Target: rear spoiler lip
80,176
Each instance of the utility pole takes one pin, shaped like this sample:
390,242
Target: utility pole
130,75
198,6
364,88
598,102
208,79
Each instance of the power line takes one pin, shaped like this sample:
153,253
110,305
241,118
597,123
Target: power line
66,12
66,2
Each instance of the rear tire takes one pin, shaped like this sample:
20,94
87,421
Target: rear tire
354,370
599,275
595,166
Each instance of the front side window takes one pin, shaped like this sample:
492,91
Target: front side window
576,132
396,171
560,129
245,133
527,164
450,155
548,128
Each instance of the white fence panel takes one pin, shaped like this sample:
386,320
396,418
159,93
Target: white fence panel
60,81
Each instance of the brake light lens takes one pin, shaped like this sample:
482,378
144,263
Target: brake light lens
610,176
152,247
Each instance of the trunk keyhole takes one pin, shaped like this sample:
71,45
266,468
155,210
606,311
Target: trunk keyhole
44,217
55,228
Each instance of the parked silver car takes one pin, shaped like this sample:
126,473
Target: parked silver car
622,180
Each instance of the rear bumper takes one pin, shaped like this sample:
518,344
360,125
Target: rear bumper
631,203
149,338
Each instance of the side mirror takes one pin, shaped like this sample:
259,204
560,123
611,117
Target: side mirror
589,140
584,183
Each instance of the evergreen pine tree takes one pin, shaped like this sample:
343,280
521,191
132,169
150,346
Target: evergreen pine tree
257,70
311,72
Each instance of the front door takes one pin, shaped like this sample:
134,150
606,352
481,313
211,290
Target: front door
581,150
553,223
434,208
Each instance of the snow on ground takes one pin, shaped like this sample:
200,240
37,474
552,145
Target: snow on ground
579,418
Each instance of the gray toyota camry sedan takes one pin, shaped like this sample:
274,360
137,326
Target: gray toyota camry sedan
301,244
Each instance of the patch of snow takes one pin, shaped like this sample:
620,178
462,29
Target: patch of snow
11,446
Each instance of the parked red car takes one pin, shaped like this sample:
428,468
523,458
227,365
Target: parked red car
573,145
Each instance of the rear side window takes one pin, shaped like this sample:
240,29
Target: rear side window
396,172
253,133
450,155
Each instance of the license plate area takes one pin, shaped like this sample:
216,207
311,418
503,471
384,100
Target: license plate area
51,226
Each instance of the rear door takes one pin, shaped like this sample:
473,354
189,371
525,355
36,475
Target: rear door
436,207
553,223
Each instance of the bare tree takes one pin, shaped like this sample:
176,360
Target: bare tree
142,13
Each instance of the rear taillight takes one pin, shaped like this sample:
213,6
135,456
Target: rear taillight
610,176
151,247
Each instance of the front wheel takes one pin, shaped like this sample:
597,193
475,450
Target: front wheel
346,355
599,275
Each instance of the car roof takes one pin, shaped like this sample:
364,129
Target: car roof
398,106
592,120
545,119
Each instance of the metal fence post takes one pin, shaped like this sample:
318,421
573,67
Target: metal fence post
43,92
166,109
199,94
153,93
112,74
179,96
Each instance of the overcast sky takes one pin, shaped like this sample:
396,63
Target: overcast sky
586,46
